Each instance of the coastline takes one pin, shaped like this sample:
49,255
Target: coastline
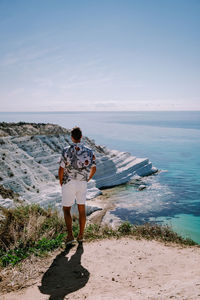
106,202
35,179
145,267
33,171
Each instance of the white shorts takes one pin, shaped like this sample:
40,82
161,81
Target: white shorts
74,189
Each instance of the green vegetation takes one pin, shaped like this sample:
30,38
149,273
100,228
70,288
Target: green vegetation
30,229
27,230
147,231
39,248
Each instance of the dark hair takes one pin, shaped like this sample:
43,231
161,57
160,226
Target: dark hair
76,133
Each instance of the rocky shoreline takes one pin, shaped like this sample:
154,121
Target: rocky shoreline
30,154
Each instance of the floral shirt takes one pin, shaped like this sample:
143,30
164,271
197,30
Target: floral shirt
76,160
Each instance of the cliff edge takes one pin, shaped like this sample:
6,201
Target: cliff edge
30,154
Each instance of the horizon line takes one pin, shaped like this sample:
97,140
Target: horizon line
96,111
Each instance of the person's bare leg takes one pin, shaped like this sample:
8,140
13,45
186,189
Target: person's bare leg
68,221
82,220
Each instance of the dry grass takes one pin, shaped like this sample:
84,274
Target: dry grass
20,229
23,274
24,225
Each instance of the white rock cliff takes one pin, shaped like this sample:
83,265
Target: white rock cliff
30,155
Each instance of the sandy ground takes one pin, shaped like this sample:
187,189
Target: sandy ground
118,269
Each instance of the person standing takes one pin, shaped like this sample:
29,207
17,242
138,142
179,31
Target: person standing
77,166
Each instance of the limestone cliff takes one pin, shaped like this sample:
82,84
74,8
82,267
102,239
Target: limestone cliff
30,153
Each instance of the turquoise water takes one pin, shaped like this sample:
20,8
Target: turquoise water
171,140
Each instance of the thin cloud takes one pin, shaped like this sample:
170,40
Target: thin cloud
24,56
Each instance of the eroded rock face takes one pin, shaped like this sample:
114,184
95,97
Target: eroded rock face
23,129
30,155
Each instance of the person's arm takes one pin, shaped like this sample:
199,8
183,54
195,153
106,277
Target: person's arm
61,167
92,172
93,167
60,175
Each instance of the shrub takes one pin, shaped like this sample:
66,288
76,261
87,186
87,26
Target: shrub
29,229
125,228
27,224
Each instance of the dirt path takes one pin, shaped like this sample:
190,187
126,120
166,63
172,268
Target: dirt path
118,269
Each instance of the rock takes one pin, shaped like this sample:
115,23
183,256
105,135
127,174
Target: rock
141,187
30,155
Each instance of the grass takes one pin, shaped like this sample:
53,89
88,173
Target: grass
147,231
27,230
31,230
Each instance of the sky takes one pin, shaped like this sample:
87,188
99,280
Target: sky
89,55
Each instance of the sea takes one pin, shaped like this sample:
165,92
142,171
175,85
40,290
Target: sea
171,141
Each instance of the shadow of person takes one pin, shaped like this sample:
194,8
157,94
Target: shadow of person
64,276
